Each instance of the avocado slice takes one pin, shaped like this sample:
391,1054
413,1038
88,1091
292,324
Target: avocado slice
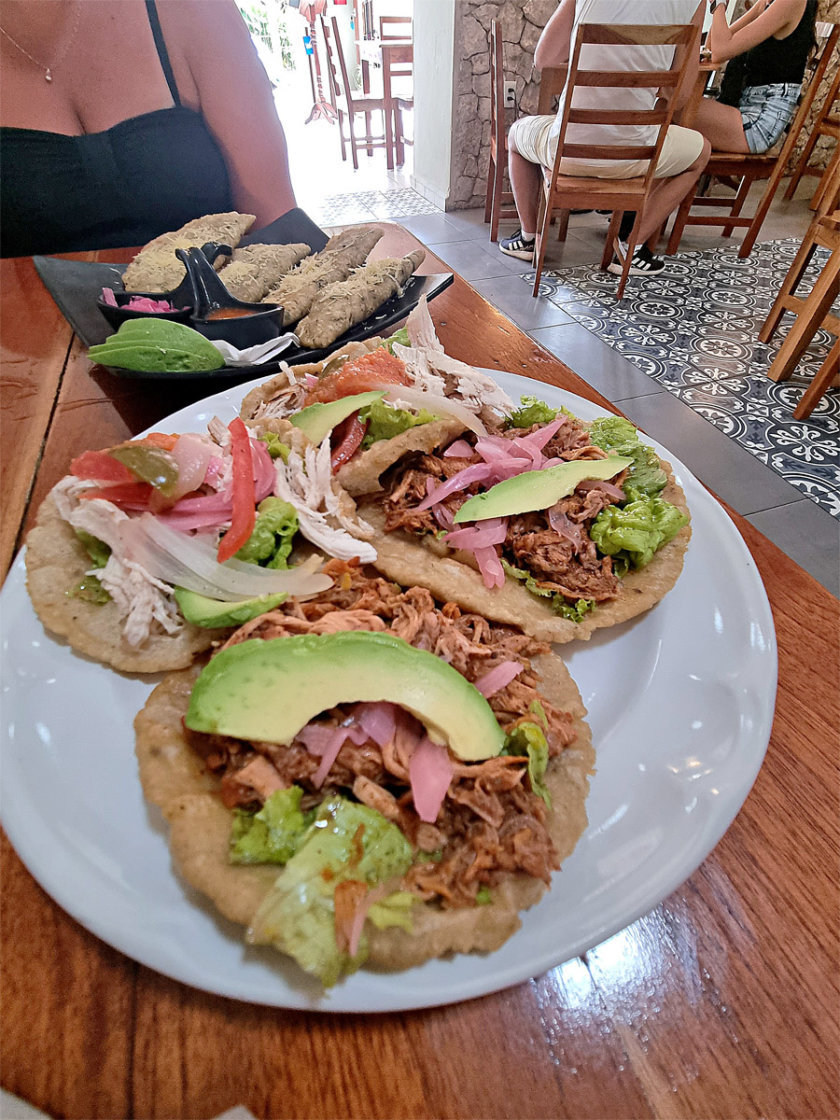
268,690
537,489
212,613
318,420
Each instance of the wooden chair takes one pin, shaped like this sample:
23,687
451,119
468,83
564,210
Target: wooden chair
814,310
395,27
346,104
565,193
498,203
826,123
746,168
397,68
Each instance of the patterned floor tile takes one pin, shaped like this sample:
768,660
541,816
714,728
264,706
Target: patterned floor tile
694,329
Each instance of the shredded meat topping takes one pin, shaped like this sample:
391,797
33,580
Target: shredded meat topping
491,822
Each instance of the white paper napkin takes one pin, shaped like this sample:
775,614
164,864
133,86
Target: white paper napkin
255,355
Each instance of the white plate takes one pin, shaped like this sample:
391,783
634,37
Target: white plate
680,704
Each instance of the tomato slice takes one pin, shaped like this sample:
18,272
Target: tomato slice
244,513
347,438
101,466
127,495
359,375
159,439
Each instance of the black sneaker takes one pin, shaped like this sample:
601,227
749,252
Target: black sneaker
517,246
643,262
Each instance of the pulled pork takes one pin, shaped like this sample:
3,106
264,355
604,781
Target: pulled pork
564,562
491,822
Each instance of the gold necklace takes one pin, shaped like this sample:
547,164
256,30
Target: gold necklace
48,69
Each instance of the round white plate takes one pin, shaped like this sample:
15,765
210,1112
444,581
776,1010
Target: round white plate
680,703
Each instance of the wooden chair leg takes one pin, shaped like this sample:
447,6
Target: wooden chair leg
632,241
822,379
563,225
612,234
539,244
341,135
738,204
808,321
354,151
368,132
488,194
498,182
825,179
398,136
679,224
754,228
789,286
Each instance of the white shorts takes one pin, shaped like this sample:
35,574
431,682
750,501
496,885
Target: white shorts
530,136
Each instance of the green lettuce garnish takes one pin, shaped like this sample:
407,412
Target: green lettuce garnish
646,476
277,449
531,411
394,910
573,611
400,336
483,896
96,549
271,540
271,835
345,841
384,421
528,738
636,530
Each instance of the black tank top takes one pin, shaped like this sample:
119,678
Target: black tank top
105,190
782,60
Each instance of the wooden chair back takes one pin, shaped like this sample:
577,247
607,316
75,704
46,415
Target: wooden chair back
498,202
745,169
826,121
395,27
565,192
348,105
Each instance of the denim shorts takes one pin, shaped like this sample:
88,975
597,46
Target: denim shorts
766,111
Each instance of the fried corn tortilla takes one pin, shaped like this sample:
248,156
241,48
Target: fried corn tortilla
427,562
56,563
157,269
175,779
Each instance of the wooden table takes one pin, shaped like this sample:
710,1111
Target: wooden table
387,54
722,1002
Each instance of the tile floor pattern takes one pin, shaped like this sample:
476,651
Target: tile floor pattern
368,206
693,330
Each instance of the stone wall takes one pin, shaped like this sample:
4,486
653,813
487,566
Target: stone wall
521,25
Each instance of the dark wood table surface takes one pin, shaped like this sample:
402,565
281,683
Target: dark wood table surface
721,1002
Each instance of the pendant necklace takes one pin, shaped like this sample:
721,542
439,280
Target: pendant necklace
68,41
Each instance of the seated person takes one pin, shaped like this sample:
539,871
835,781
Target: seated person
532,141
771,42
123,119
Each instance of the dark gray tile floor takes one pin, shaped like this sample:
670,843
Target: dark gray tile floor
643,388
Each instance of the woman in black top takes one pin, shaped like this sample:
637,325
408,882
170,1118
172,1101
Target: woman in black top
123,119
771,42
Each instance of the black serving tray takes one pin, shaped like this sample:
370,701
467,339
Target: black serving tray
76,285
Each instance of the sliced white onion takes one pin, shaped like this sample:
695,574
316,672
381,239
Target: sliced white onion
184,561
192,453
434,402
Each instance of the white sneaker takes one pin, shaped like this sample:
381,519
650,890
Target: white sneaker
642,263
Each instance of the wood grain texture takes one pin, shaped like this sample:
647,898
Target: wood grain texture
722,1002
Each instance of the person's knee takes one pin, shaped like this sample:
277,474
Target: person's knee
703,158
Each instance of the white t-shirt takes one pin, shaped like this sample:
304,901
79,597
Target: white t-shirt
609,57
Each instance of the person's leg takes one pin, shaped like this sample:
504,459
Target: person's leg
667,194
525,181
722,125
528,148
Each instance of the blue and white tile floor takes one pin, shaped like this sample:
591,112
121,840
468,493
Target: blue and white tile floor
693,330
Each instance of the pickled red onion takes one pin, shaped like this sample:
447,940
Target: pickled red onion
430,771
499,677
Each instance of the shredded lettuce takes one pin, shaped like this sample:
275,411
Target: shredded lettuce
527,738
270,542
400,336
637,529
271,835
384,421
531,411
277,449
96,549
573,611
345,841
483,896
646,476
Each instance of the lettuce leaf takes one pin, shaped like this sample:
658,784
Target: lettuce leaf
646,476
96,549
400,336
271,540
637,529
531,411
271,835
345,841
528,738
573,611
385,421
277,449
